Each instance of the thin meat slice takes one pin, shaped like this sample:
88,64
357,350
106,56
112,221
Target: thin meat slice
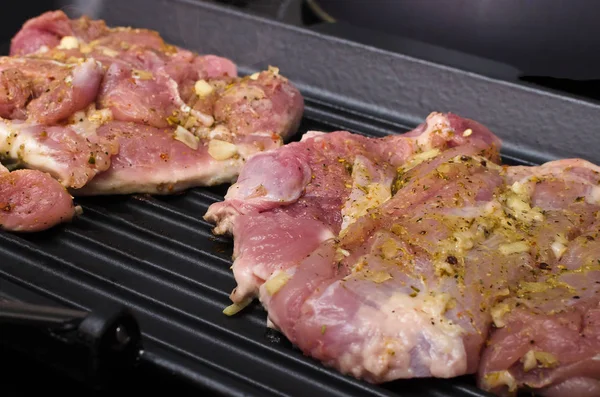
32,201
546,335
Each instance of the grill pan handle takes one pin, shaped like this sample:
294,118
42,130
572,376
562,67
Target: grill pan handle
96,347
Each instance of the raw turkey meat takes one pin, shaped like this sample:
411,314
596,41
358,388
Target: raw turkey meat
32,201
403,256
547,334
116,110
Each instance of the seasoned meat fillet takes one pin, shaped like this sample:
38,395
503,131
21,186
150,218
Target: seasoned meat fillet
309,223
419,255
547,333
119,92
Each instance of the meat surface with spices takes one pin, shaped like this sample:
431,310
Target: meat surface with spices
420,255
116,110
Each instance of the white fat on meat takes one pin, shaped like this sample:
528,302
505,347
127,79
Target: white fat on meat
17,145
400,337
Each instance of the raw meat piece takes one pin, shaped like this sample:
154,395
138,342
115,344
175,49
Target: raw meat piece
49,28
148,88
72,153
547,334
31,201
399,257
311,180
52,90
43,96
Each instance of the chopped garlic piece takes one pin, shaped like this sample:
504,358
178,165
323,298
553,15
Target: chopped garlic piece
594,195
236,307
85,48
443,268
110,52
221,150
254,76
464,240
68,43
517,204
186,137
275,283
142,74
500,378
559,246
559,249
100,116
190,123
378,277
203,88
514,248
529,361
522,210
498,312
185,108
274,70
389,248
533,359
467,132
341,253
522,189
546,360
77,117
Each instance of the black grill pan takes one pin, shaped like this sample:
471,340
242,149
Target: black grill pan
157,256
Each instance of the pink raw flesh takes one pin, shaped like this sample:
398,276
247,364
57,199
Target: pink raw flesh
60,66
152,160
31,201
407,287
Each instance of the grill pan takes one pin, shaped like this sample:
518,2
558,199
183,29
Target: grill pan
157,257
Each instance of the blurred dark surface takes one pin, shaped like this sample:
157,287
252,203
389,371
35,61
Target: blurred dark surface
540,38
548,44
20,376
